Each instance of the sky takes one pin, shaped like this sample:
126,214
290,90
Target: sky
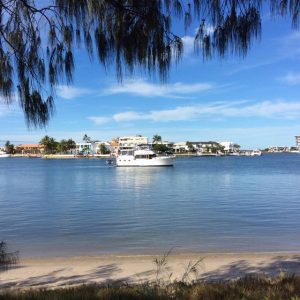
253,101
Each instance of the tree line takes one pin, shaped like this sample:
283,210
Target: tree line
49,143
52,146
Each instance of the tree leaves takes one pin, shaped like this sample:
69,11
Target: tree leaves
37,40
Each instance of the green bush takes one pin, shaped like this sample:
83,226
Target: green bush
7,259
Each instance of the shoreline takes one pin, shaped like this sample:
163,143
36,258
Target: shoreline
50,272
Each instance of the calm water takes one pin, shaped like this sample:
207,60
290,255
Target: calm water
73,207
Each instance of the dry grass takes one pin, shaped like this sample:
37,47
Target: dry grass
249,288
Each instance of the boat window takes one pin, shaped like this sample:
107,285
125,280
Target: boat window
126,152
141,156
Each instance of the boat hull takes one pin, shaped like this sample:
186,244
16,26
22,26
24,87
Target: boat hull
123,161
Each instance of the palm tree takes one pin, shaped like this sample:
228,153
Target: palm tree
49,144
71,144
9,148
86,139
156,139
236,147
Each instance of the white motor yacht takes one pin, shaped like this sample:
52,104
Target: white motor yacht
143,156
4,154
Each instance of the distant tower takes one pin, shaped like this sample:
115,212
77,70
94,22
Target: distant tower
297,141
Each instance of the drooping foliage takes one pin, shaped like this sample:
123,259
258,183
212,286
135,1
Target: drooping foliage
38,38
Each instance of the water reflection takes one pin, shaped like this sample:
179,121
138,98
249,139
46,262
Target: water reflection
134,177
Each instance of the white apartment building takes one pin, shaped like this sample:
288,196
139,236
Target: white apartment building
297,137
84,148
180,147
228,146
97,147
126,142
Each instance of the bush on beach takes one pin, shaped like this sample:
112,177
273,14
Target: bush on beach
7,259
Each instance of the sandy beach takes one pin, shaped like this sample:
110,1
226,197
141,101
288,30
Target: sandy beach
62,271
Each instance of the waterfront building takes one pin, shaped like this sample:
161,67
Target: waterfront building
205,146
114,144
279,149
127,142
84,148
228,146
197,146
297,141
97,147
180,147
30,149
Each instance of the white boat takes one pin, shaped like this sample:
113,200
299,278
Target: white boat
4,154
234,154
143,156
256,153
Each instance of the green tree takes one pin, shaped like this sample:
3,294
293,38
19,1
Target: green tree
190,146
9,148
104,149
133,34
236,147
49,143
71,144
160,148
66,145
86,139
156,139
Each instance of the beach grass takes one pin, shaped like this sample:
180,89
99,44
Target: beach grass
249,288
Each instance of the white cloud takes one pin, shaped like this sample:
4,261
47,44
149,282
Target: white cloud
291,78
69,92
265,109
145,89
188,44
129,116
99,120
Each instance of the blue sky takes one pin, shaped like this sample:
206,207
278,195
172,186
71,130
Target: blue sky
253,101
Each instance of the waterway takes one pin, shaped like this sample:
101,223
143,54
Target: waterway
202,204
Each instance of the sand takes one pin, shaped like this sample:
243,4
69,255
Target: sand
62,271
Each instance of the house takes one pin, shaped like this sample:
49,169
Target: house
297,137
30,149
180,147
228,146
127,142
114,144
98,147
84,148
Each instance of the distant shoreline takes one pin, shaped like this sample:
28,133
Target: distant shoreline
73,156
